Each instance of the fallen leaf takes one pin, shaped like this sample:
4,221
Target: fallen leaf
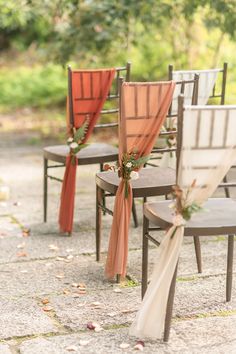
83,343
111,314
60,276
60,259
75,285
21,245
47,308
82,286
25,232
93,325
117,290
127,311
139,345
124,345
72,348
53,247
22,254
45,301
95,304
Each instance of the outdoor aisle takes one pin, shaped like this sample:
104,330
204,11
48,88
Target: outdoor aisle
51,285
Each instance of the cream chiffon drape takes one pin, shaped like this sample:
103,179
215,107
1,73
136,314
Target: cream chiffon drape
207,80
208,151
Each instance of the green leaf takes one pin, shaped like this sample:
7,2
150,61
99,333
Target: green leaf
140,161
80,133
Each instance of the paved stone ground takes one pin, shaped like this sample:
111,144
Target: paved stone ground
48,266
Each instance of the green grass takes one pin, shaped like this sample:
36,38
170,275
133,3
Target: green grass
38,87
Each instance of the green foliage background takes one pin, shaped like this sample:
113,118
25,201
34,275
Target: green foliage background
39,37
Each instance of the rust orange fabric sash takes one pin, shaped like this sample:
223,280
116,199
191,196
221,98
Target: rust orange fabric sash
144,107
89,92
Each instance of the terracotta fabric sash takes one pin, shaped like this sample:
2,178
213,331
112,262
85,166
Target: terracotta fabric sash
89,92
144,107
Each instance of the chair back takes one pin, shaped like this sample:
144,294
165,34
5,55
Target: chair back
205,150
143,106
92,93
212,83
170,130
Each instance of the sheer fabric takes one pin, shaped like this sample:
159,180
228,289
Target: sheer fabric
207,80
89,92
144,107
208,151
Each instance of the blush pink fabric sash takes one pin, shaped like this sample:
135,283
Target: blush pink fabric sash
144,107
89,92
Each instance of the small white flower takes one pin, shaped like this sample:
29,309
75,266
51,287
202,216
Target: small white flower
178,220
70,140
134,175
74,145
172,205
172,142
129,164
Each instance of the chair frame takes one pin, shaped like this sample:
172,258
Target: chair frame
102,159
220,95
231,231
109,189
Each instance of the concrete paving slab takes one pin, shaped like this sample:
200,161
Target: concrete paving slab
209,336
23,317
4,349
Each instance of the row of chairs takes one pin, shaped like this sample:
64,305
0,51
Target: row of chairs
156,181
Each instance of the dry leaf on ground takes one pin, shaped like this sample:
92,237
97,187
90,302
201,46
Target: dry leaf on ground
72,348
22,254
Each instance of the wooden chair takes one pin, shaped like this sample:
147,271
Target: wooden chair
219,88
220,220
152,181
95,153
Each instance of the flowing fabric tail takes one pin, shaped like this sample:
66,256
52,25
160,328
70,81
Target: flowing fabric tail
66,213
150,319
118,243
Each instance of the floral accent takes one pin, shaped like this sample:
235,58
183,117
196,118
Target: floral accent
183,207
129,167
75,142
171,140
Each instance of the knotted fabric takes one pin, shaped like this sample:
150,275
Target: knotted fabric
144,107
89,92
208,152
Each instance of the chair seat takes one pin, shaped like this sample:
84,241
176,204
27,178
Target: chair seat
92,154
151,181
218,218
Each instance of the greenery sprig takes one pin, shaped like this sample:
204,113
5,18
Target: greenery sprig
75,142
130,166
183,208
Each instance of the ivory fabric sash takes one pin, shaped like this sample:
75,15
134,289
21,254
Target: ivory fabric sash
207,80
89,92
144,107
208,152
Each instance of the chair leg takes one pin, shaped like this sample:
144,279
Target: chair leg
229,276
45,189
98,222
169,307
103,192
134,214
227,194
197,246
145,256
